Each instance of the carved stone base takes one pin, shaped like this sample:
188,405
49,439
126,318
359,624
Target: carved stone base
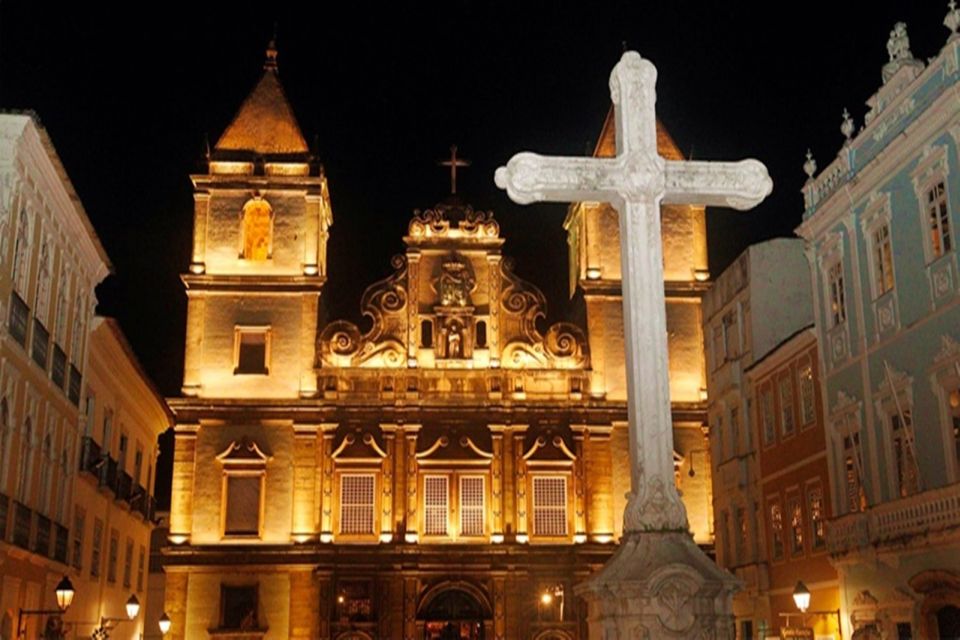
660,585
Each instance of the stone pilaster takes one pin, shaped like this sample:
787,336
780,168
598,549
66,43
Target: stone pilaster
304,525
181,500
175,603
304,600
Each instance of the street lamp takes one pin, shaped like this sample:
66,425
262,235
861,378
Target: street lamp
801,596
551,593
64,592
164,623
107,624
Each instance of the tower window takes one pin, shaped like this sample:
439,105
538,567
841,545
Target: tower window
251,350
356,504
426,334
436,505
243,506
257,231
549,506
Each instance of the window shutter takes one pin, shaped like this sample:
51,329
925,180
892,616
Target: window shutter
549,506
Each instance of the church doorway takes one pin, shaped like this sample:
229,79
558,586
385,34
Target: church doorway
948,623
453,614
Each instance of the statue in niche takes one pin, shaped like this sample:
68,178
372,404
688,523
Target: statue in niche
454,340
455,283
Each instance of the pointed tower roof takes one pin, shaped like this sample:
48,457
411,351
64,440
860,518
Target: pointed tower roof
265,124
607,143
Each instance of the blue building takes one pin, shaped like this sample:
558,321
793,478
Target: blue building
880,225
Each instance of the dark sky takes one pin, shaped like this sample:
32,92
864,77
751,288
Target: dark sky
129,97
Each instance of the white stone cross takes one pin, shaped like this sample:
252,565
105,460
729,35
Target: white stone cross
636,182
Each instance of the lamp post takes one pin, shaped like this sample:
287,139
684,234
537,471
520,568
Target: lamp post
164,623
107,624
801,597
64,592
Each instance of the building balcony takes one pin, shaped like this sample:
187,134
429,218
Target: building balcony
32,531
896,522
755,577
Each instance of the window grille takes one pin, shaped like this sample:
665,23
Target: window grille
549,506
356,504
243,505
471,506
436,505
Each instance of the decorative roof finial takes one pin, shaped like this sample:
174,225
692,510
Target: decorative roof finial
952,21
810,166
847,127
270,64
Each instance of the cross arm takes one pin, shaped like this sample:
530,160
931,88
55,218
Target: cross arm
530,177
740,185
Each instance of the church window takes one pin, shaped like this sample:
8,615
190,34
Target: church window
21,251
357,504
785,386
818,536
549,505
795,510
251,350
113,555
244,503
257,232
808,408
882,260
426,334
938,220
481,334
837,296
97,550
471,506
436,505
238,607
906,471
776,529
767,416
856,499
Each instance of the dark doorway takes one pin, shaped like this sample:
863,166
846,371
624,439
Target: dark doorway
453,615
948,623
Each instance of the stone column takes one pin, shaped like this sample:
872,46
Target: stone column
181,491
175,602
386,502
520,478
304,525
193,348
496,484
413,509
201,209
327,502
311,234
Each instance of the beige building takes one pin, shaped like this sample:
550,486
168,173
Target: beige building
50,262
114,506
449,472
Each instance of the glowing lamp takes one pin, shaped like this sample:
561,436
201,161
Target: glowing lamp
955,398
64,591
701,275
546,598
593,273
496,538
164,623
133,607
579,538
522,538
801,596
386,538
411,537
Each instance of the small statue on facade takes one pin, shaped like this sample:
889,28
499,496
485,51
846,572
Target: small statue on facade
456,283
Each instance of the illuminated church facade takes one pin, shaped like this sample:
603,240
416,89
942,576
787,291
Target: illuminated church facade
450,472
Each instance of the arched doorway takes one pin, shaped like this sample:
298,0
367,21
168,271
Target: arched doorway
453,614
948,622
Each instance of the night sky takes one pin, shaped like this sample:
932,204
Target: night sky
130,98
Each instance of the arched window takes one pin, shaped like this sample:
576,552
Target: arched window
21,251
256,237
42,303
26,460
46,467
60,327
79,316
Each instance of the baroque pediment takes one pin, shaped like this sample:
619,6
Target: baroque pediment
358,443
455,303
453,444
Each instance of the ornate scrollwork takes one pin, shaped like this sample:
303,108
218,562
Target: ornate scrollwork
453,221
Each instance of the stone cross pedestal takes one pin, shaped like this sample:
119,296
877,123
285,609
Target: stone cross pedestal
659,584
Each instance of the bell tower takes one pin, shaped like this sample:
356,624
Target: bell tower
261,219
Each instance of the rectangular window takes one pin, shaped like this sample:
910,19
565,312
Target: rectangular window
549,506
851,463
767,416
141,561
76,553
776,529
808,402
252,350
938,218
128,564
719,350
740,521
785,386
436,505
97,548
471,506
356,504
112,558
243,494
818,534
907,472
838,304
735,431
238,608
882,260
795,511
731,335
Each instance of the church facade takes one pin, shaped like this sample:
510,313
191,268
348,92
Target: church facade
450,472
